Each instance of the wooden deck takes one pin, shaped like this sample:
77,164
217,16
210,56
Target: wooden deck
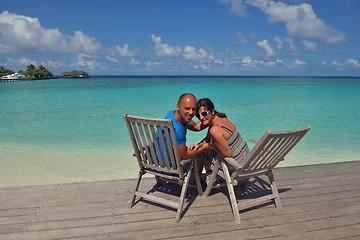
319,202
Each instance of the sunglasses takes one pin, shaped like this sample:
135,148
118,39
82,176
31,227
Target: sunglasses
204,114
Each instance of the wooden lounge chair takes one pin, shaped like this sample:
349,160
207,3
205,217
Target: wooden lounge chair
156,150
261,160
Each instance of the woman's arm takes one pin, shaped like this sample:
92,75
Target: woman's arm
190,152
206,140
195,126
220,141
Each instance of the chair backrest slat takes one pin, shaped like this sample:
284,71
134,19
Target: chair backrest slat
261,159
177,157
287,145
144,143
150,134
272,148
166,147
137,141
154,143
273,154
169,142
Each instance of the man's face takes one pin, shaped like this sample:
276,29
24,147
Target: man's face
187,108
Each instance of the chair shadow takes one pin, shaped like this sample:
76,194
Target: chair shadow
174,190
257,187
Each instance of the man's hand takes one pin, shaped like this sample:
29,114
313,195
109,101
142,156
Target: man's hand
194,147
204,146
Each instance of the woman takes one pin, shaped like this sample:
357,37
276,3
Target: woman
222,133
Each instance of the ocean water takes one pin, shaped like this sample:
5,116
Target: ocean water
72,130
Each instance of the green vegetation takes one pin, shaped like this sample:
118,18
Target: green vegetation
4,71
31,72
75,74
40,72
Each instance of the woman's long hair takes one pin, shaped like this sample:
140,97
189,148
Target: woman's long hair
209,105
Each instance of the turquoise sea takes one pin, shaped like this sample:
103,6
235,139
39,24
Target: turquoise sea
71,130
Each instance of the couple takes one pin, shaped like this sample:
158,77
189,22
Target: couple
222,134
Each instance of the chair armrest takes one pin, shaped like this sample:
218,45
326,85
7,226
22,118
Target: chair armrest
232,162
184,162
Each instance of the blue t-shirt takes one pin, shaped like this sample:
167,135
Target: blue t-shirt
180,130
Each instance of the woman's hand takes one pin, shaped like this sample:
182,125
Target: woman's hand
206,146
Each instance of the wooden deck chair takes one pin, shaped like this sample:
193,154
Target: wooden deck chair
156,150
261,160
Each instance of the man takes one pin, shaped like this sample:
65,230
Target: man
182,120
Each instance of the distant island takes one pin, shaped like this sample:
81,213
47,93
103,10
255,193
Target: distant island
75,74
37,73
31,73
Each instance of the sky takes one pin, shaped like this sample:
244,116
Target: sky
183,37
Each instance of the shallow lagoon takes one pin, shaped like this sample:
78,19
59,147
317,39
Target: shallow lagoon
70,130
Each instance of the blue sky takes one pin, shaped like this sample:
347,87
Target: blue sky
183,37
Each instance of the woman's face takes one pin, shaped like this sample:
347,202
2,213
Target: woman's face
204,115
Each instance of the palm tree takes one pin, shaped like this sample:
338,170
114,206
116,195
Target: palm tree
30,68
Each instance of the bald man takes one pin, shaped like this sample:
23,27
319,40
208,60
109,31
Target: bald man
182,120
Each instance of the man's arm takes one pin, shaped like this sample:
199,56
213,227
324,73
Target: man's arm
195,126
186,153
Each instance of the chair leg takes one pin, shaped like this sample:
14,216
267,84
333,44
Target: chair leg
183,194
275,190
133,197
232,196
197,177
214,173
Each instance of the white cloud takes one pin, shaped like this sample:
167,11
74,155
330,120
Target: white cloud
26,61
82,43
291,47
300,20
124,51
201,66
154,64
163,49
248,61
279,42
220,61
352,62
278,61
193,54
237,7
92,65
240,38
298,62
335,63
21,63
112,59
309,46
133,61
20,33
54,63
189,53
264,44
85,60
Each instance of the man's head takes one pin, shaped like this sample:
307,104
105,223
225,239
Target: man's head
185,108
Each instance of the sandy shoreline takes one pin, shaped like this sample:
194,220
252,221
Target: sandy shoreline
38,166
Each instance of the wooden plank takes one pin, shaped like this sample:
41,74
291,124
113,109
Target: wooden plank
319,202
